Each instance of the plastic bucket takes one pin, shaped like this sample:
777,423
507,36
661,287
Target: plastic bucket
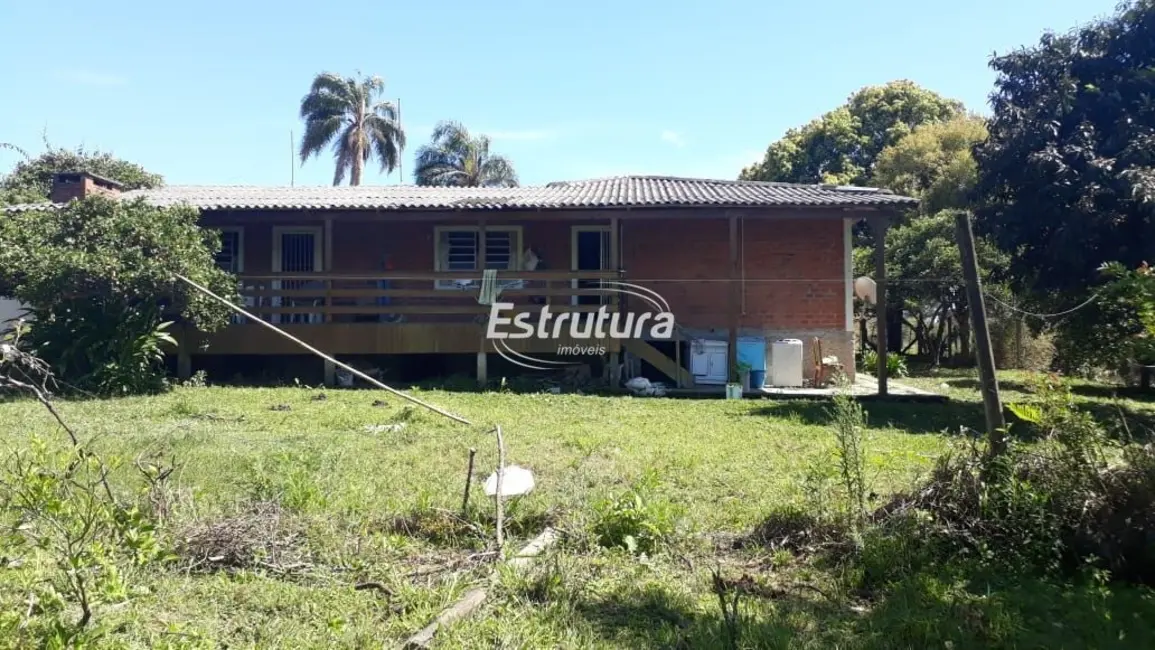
757,379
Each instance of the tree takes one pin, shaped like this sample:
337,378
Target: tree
30,181
934,164
841,147
99,278
348,115
454,157
1067,176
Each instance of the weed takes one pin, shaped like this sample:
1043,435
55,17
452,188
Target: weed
849,425
637,520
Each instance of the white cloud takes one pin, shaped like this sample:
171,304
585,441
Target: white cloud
674,138
91,78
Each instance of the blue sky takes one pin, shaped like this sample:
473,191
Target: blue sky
207,92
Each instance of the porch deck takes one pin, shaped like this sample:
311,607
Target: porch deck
409,312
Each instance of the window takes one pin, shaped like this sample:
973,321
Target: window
231,256
457,251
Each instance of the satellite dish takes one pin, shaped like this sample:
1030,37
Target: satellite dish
866,290
515,481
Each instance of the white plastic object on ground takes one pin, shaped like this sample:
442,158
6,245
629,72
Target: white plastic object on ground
515,481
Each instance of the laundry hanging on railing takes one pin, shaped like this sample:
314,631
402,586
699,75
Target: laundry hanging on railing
489,289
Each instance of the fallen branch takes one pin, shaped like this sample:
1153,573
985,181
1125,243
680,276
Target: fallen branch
344,366
459,610
474,598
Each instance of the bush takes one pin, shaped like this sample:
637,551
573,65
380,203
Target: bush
895,364
99,276
1057,506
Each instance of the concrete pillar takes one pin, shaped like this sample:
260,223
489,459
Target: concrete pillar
482,370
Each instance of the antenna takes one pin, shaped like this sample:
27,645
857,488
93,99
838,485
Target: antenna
292,160
401,156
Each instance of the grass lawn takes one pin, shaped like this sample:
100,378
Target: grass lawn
355,505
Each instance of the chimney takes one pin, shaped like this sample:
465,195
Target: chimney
77,185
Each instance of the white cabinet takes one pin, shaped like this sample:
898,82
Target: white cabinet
708,361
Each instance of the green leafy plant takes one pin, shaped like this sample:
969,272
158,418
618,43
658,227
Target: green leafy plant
57,508
895,364
637,520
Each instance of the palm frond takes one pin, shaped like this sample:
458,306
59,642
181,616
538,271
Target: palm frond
497,171
386,141
454,157
319,133
343,159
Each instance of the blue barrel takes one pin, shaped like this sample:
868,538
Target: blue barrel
752,352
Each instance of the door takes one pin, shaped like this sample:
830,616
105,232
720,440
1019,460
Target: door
298,250
591,252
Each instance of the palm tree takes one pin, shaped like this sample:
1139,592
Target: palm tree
454,157
346,114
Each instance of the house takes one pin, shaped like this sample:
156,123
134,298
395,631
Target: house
396,270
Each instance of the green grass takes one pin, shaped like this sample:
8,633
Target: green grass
371,507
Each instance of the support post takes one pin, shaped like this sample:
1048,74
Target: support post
992,405
735,298
615,375
328,266
879,226
482,357
330,373
482,370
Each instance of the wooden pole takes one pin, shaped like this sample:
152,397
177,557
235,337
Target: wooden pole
468,483
879,225
732,348
996,424
500,477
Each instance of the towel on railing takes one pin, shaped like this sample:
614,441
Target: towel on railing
489,289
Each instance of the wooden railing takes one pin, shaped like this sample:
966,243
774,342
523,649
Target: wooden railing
404,296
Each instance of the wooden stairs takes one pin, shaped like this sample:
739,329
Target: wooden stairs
664,364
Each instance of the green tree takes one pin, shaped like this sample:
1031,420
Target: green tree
841,146
349,116
99,278
30,181
1067,176
455,157
934,164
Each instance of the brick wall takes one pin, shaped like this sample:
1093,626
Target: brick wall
794,275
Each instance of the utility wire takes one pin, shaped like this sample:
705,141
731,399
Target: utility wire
1065,312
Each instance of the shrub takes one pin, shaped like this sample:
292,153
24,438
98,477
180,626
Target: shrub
895,364
99,276
1058,505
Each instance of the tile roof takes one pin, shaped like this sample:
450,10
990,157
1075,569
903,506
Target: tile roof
617,192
